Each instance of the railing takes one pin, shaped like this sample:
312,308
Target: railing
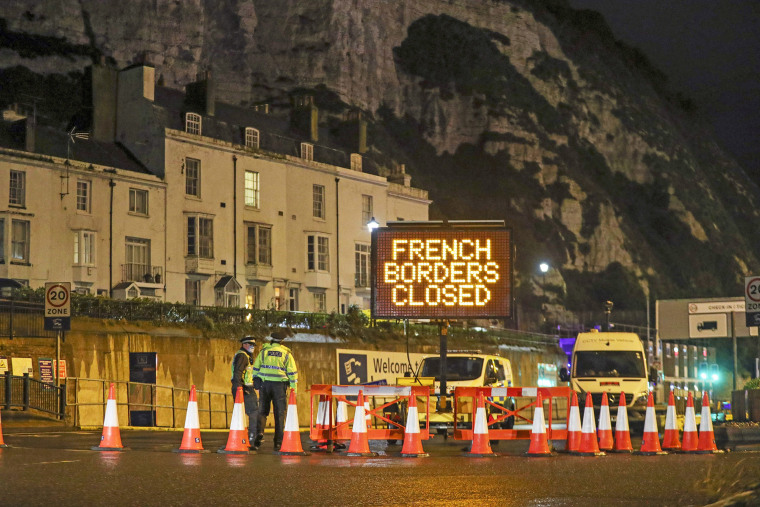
141,404
21,318
142,273
27,393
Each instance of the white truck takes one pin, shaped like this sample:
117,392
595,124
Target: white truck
611,363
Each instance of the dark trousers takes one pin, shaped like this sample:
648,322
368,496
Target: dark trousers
275,393
251,406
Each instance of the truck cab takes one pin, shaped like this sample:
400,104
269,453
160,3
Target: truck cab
612,363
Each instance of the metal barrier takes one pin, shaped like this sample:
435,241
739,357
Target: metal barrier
393,430
156,405
27,393
500,414
21,318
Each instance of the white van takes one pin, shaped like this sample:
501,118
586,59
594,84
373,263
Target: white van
610,363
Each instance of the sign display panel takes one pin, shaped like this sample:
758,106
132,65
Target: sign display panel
431,272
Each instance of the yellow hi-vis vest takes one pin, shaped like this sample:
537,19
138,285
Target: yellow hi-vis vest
276,364
248,373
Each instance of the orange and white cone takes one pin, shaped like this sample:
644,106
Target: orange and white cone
589,445
341,422
359,442
670,440
321,425
367,413
291,437
481,445
690,438
706,436
412,441
3,445
650,444
237,441
622,432
539,444
191,438
573,426
111,438
604,432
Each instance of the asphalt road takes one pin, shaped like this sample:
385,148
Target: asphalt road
54,467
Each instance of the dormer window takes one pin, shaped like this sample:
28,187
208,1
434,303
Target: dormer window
307,151
356,162
193,123
251,137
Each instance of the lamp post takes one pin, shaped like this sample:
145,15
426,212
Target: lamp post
608,310
544,267
372,224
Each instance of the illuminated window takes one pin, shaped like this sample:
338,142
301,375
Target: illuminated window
362,258
307,151
20,238
83,195
251,137
317,253
193,123
17,193
252,296
84,248
193,177
138,201
367,209
252,189
318,201
259,244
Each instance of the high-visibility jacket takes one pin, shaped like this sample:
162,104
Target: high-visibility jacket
275,363
247,376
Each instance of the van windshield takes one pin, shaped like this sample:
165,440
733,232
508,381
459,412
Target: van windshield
609,363
457,368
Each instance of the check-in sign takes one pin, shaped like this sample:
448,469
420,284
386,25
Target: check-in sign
58,306
752,300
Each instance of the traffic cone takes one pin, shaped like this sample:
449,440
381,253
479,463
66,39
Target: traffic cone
111,438
237,441
291,437
690,438
604,431
539,444
367,414
706,436
481,445
359,443
2,442
191,439
341,421
321,443
589,445
670,440
412,442
573,426
650,444
622,432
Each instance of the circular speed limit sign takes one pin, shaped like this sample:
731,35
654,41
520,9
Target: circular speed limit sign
57,295
752,289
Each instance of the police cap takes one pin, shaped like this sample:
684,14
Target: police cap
248,339
278,336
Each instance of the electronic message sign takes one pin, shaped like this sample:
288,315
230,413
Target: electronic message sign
453,270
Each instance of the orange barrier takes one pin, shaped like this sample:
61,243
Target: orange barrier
329,429
464,397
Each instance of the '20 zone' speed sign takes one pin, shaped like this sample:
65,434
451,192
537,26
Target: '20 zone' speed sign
429,270
752,300
58,306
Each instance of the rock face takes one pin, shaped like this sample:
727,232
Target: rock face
526,111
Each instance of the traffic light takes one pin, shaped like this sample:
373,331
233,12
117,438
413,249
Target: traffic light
703,371
714,373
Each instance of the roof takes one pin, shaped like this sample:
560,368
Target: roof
227,280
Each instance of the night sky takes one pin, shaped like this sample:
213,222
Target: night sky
710,51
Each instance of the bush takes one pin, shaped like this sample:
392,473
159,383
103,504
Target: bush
752,384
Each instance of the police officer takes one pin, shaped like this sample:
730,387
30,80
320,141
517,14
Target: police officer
242,376
276,368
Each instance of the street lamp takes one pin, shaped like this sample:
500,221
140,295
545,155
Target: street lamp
372,224
544,267
608,310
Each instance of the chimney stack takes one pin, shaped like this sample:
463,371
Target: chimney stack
104,88
304,118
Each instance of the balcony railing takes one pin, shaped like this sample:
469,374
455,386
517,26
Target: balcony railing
142,273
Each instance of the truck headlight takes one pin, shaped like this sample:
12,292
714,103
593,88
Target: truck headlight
641,398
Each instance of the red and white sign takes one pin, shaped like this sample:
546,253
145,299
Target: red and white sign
752,300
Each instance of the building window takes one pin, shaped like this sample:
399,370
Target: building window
84,248
17,194
20,239
252,297
200,237
193,123
318,253
259,244
362,256
2,240
83,195
307,151
356,162
320,302
137,266
252,189
251,137
138,201
367,209
293,299
193,292
318,207
193,177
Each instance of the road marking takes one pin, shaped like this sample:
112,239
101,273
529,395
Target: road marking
53,462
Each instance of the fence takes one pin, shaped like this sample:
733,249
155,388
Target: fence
142,404
27,393
22,318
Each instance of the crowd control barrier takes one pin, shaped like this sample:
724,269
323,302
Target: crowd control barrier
522,411
382,425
